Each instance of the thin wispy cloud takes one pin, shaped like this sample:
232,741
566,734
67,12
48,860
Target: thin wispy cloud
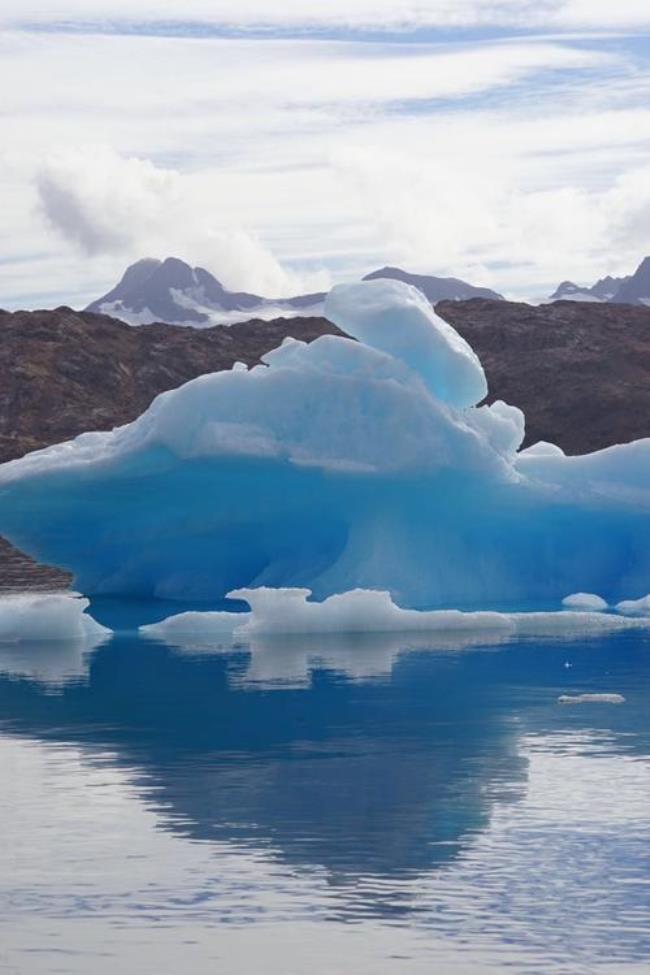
387,15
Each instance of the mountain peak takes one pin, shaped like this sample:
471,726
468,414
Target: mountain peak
136,274
636,290
566,289
174,273
174,292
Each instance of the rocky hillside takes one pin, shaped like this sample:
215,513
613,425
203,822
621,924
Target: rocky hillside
580,372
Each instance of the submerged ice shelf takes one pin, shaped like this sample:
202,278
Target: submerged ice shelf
338,465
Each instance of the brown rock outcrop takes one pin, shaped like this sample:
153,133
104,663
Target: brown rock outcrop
579,371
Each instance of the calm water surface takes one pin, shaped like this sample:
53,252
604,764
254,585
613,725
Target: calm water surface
343,806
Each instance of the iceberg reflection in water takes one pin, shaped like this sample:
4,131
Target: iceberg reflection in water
242,808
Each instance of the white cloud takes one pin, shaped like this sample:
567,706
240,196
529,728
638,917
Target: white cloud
601,13
102,202
235,75
462,218
339,14
379,13
107,204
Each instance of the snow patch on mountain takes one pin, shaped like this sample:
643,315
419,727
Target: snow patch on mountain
568,291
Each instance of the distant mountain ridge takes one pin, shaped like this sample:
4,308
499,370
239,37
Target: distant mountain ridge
631,290
173,292
603,290
436,289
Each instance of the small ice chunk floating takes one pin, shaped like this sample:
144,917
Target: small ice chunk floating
47,637
361,462
51,617
587,601
591,699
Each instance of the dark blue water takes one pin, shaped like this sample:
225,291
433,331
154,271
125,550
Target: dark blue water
331,805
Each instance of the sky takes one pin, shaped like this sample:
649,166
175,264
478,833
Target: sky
289,146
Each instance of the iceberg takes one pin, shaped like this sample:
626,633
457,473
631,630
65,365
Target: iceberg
351,463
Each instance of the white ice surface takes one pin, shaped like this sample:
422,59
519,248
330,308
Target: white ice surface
291,611
50,616
634,607
591,699
47,637
397,319
584,601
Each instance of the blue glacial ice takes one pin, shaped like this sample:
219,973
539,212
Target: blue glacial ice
339,465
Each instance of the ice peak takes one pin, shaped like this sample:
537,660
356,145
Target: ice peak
397,319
